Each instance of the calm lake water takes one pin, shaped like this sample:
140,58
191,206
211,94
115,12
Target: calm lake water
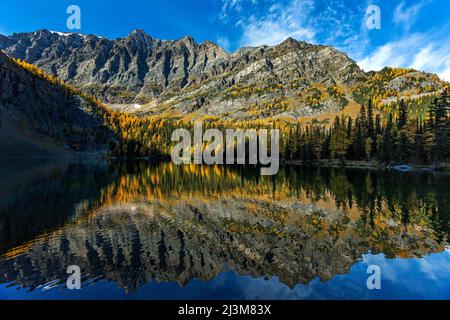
158,231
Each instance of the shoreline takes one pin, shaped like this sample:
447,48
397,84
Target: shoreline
445,167
373,165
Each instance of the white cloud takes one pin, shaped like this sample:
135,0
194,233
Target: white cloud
406,17
393,54
445,75
422,58
280,22
232,5
426,52
269,22
273,21
271,32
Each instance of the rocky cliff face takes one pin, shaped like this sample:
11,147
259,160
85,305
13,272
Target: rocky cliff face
181,74
38,118
144,75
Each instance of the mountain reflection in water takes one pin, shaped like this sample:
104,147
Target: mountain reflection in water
135,224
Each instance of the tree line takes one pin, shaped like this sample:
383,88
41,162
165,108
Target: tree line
400,138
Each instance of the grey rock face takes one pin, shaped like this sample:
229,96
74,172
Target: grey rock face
145,75
38,118
181,74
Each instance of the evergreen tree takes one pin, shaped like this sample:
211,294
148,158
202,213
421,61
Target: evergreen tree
403,115
438,129
368,148
419,151
339,141
388,143
378,129
403,153
370,121
359,141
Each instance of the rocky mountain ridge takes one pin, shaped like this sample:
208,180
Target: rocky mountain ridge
145,75
39,118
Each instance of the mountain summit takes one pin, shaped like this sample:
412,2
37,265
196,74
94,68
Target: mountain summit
293,79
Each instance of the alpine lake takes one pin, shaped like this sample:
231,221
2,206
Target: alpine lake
140,230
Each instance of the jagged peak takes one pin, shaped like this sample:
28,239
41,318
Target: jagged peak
42,31
292,43
188,40
141,38
140,34
210,44
142,31
290,40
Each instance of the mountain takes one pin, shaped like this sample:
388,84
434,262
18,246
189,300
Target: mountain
145,75
39,117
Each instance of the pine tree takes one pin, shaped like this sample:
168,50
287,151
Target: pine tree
359,141
368,148
419,151
437,138
378,129
403,153
339,142
350,151
362,120
403,115
388,143
288,146
317,143
370,121
298,143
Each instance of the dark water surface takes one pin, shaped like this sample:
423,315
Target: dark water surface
158,231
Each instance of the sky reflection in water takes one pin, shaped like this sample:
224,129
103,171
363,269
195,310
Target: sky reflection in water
159,232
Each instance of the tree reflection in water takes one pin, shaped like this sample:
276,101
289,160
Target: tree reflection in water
135,223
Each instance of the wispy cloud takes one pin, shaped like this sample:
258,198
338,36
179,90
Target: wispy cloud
407,16
232,6
280,23
427,52
395,54
270,22
342,23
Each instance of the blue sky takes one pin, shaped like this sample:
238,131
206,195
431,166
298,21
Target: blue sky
414,33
